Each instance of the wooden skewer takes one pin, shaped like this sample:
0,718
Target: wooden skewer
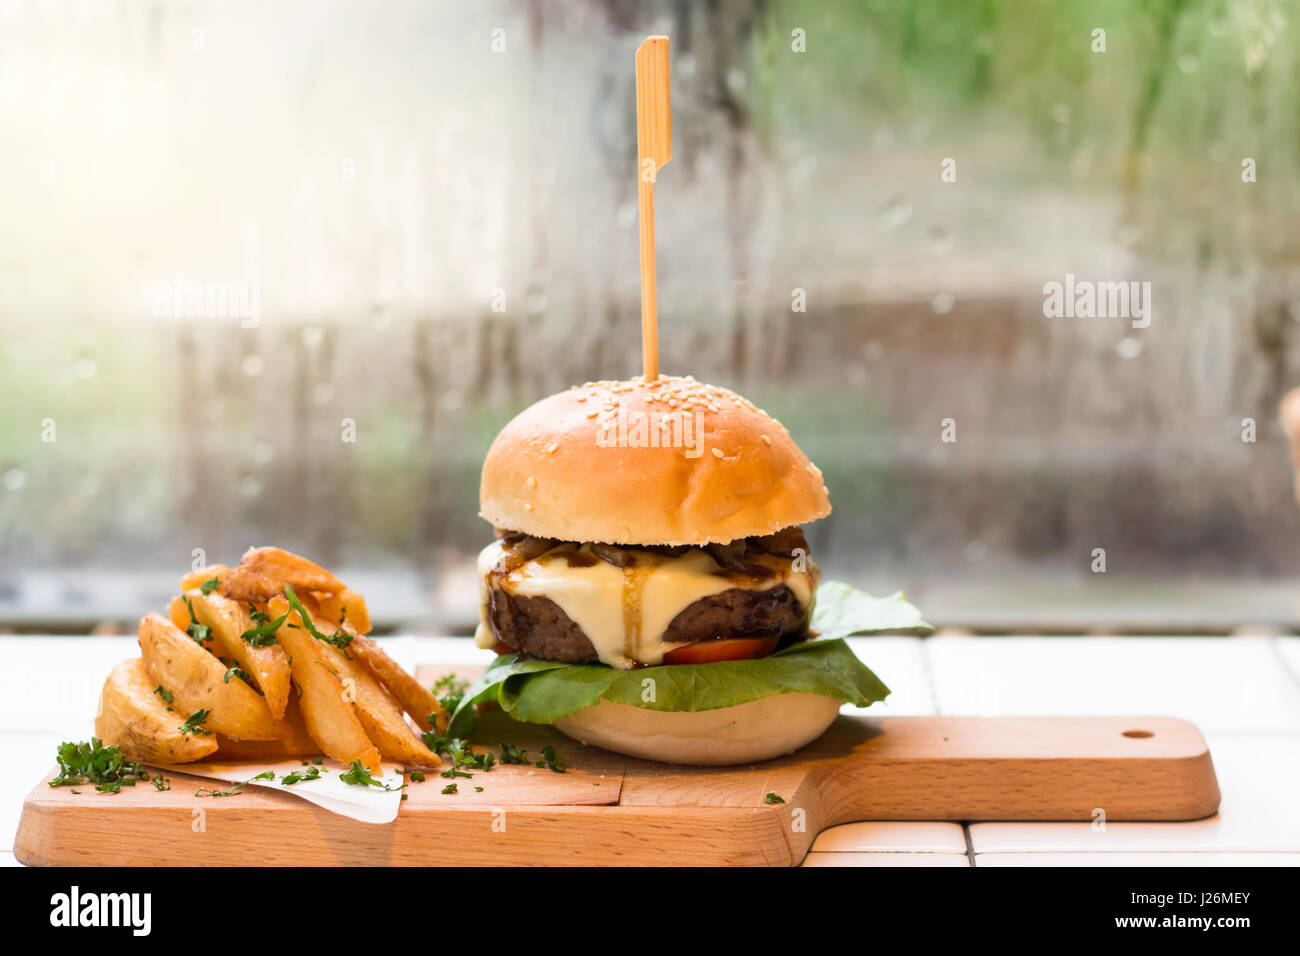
654,147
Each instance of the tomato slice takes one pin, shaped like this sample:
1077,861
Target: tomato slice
725,649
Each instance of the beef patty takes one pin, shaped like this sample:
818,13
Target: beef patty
537,627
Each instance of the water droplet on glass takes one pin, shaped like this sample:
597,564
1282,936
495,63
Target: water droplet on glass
736,80
1129,347
88,485
1128,234
252,365
263,451
1217,26
15,478
897,212
1081,163
942,303
250,487
1188,63
312,335
1061,113
452,400
938,241
884,138
536,303
626,215
85,368
322,393
976,551
872,351
381,318
686,65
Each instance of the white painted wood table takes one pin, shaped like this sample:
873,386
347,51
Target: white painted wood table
1243,692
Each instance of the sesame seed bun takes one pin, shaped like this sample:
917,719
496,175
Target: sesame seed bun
616,462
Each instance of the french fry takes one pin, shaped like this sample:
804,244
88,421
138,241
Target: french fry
200,577
132,716
265,572
330,718
416,699
298,743
379,712
198,681
228,620
347,606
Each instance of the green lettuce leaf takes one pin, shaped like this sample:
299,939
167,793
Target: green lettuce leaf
540,692
842,610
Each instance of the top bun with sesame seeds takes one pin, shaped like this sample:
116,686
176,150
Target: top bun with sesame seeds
668,462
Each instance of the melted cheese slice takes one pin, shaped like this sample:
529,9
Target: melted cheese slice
624,612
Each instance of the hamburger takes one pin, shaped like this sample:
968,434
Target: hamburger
650,589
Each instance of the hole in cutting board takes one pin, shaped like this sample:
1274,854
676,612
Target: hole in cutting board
1138,733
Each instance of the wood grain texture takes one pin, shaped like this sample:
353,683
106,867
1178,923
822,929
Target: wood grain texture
609,809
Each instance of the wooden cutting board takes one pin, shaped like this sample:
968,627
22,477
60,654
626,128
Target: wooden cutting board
609,809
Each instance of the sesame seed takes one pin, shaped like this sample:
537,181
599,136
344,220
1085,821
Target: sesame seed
551,447
530,481
717,453
764,439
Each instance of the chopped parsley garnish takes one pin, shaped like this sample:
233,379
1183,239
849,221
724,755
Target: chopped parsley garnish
191,725
165,694
259,616
311,773
450,691
339,638
359,776
512,754
237,788
478,789
456,773
463,755
773,798
264,634
198,632
551,760
450,788
236,671
417,776
210,585
161,783
94,763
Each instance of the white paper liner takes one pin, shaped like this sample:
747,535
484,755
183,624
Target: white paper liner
366,804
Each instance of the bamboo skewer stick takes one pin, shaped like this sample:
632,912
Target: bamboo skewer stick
654,147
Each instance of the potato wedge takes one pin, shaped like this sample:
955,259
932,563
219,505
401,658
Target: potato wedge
198,578
379,712
330,718
347,606
197,680
136,719
416,699
268,666
264,573
298,743
178,613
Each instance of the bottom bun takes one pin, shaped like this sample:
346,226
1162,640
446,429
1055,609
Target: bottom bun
757,730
